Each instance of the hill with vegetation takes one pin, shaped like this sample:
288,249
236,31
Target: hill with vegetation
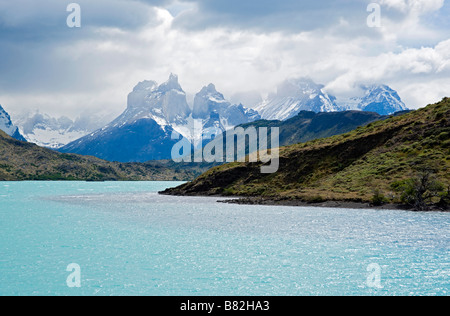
304,127
307,126
404,159
25,161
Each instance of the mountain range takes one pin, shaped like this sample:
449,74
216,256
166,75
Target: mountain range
50,132
303,94
154,116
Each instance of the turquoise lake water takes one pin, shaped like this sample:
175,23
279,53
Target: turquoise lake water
128,240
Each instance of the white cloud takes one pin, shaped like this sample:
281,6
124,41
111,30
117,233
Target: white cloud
416,7
412,70
98,70
409,28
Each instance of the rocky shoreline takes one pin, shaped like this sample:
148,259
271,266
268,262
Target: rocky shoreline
299,203
325,204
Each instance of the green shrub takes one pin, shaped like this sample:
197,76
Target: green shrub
445,198
444,136
446,144
420,191
316,199
378,198
228,192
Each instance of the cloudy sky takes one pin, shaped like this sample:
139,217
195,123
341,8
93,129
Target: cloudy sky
240,45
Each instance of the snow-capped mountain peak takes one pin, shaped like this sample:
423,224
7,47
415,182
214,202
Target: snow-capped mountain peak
51,132
210,92
212,107
298,87
137,98
207,100
171,84
380,99
165,103
144,130
293,96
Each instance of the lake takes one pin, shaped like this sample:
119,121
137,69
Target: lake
128,240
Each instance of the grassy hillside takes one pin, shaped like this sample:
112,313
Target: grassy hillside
25,161
370,161
304,127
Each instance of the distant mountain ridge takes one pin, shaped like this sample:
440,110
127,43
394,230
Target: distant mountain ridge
304,127
50,132
308,125
21,161
303,94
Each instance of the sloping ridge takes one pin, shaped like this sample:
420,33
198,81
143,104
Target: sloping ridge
25,161
346,167
141,141
307,126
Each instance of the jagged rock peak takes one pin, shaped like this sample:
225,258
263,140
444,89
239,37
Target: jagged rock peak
171,84
146,85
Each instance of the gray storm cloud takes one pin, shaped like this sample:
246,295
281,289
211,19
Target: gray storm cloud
241,46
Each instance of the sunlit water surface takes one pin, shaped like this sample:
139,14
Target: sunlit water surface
128,240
